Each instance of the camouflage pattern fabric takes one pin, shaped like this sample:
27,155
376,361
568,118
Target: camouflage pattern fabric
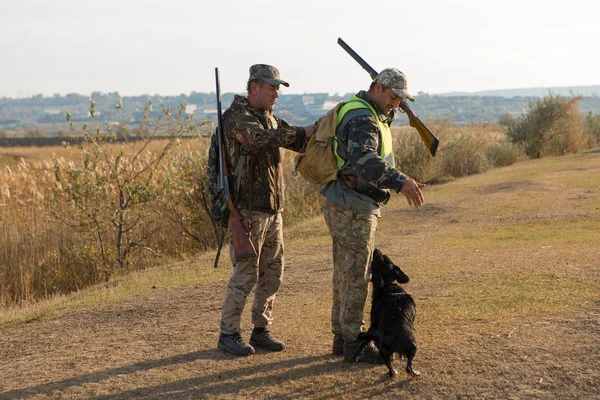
267,73
265,272
353,235
395,80
261,134
358,137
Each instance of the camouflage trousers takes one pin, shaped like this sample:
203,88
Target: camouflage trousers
262,273
353,235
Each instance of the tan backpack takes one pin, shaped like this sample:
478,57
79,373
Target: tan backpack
317,164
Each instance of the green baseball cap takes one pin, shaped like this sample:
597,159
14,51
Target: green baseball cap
395,80
267,73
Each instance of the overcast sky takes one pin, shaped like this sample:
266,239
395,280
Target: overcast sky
170,47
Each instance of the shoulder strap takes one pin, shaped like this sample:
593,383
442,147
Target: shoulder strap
238,170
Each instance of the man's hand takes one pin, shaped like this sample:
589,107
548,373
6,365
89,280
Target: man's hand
411,189
310,130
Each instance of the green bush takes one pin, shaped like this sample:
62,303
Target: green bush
551,125
503,153
466,155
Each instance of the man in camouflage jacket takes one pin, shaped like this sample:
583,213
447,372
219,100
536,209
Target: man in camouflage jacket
251,128
352,202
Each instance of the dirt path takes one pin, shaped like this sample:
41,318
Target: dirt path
162,345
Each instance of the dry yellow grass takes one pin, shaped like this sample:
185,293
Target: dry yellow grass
56,241
503,269
39,254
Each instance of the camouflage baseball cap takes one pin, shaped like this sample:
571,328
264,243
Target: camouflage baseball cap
396,81
267,73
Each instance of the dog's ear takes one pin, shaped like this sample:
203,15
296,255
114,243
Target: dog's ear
377,254
401,277
386,260
377,280
376,259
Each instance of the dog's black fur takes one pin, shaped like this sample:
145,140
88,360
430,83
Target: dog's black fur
392,315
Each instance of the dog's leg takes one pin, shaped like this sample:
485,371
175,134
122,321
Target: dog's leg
387,359
410,354
366,339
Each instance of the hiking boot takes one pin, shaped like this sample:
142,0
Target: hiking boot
234,344
369,354
261,337
338,345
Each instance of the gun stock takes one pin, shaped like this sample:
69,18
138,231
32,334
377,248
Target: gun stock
428,137
430,140
240,239
242,244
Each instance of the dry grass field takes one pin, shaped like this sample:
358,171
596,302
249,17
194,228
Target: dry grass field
504,271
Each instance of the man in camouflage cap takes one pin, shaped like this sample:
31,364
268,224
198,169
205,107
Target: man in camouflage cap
351,205
267,73
254,135
395,80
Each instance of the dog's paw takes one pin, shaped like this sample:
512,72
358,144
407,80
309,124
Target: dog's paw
392,372
412,372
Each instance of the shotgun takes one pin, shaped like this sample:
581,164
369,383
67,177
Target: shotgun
240,239
430,140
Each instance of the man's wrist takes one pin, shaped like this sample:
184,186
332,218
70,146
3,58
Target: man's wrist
401,181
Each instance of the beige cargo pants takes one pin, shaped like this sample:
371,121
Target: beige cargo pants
263,274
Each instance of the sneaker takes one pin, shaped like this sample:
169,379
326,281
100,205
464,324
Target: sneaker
261,337
234,344
338,345
369,355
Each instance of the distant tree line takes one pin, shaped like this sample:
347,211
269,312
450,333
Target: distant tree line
21,117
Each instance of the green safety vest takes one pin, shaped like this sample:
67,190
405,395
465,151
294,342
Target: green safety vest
386,152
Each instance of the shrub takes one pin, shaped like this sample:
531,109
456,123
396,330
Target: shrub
111,192
503,153
184,201
466,155
413,158
591,129
551,125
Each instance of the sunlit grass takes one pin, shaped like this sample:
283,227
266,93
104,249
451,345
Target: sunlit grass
524,233
506,295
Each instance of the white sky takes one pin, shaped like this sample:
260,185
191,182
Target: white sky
170,47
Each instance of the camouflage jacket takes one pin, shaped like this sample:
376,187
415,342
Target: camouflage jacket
358,138
260,134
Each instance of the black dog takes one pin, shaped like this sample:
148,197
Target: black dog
392,315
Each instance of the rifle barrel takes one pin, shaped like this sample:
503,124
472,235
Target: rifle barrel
223,185
358,59
429,138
